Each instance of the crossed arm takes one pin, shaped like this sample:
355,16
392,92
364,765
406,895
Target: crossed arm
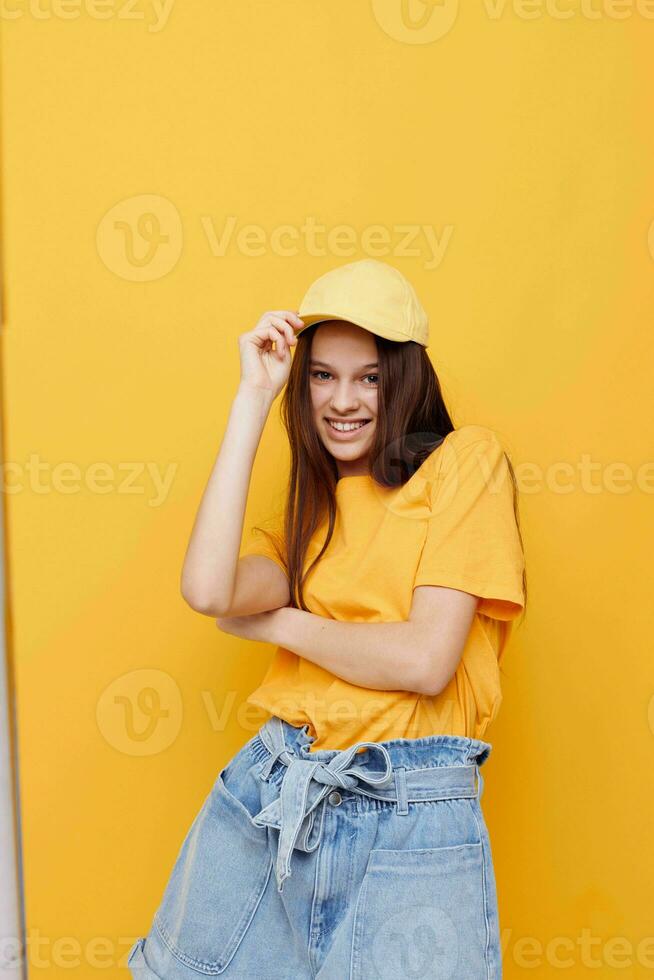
419,654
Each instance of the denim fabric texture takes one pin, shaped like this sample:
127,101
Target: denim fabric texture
371,863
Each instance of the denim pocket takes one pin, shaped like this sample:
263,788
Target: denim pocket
422,914
217,882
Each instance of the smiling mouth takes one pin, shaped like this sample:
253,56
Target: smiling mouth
347,426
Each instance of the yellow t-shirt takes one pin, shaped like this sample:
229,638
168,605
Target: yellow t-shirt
451,524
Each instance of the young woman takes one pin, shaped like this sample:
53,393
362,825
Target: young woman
346,838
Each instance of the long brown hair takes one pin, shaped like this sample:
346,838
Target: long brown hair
412,421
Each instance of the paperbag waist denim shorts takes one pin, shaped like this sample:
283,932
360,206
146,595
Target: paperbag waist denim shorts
370,863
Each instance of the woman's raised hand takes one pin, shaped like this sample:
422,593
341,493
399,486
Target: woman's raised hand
261,366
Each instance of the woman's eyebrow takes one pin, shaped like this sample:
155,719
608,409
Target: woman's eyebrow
325,364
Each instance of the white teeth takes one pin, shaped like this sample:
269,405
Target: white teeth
346,426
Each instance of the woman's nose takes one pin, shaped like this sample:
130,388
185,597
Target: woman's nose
344,400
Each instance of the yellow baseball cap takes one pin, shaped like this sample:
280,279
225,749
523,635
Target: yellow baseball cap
370,293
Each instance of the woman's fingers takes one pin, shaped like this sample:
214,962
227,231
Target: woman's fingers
285,323
279,339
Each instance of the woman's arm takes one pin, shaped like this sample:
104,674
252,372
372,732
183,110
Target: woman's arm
420,654
209,570
381,656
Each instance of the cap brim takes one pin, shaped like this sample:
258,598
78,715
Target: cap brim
310,320
313,318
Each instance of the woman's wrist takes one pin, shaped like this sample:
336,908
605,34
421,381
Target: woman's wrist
251,407
263,396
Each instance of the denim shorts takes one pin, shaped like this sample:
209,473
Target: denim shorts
368,863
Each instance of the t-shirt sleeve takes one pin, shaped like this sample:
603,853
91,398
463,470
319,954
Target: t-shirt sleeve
472,541
267,539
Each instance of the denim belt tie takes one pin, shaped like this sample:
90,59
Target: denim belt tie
304,787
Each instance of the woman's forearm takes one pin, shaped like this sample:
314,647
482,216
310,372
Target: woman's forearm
209,570
381,656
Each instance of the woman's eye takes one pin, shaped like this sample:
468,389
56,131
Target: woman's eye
315,374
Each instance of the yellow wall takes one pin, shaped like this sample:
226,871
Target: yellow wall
523,144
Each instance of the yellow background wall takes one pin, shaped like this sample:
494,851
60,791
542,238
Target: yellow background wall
521,140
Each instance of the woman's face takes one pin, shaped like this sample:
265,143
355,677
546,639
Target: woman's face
344,386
